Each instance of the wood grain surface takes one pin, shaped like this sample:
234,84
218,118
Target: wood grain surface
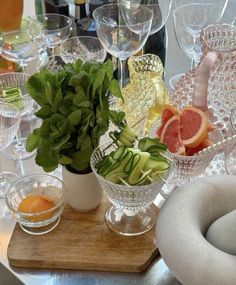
82,241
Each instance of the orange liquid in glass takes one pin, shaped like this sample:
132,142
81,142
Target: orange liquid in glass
10,14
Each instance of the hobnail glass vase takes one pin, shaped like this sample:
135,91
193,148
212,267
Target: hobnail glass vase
132,212
145,95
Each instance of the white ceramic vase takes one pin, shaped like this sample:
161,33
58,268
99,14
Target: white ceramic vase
83,192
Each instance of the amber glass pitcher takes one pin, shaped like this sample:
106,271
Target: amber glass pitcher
10,14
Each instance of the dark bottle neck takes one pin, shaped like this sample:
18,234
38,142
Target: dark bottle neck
80,9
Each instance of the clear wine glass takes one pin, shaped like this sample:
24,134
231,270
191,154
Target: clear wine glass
123,30
160,9
84,48
190,16
132,212
18,46
16,150
56,28
9,124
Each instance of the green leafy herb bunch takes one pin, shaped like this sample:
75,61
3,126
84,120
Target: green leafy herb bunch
75,113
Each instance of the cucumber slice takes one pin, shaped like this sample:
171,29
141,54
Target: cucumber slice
119,152
115,177
137,170
156,164
130,165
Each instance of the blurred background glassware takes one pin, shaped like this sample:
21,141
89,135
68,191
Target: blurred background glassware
16,150
84,48
18,46
132,212
10,15
230,153
51,63
123,30
56,28
47,186
190,16
9,124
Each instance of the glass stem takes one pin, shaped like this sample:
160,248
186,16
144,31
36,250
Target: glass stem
19,145
2,178
193,60
121,72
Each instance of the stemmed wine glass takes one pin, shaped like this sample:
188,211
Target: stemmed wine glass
18,46
56,28
9,124
190,16
123,30
16,150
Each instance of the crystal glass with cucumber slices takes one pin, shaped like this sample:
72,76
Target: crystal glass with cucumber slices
13,91
131,172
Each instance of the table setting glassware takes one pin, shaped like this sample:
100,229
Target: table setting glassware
56,28
123,30
210,87
9,124
84,48
189,19
43,199
132,212
18,46
16,149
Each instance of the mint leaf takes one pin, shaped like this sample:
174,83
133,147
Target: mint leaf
44,113
115,89
32,140
75,117
65,160
116,117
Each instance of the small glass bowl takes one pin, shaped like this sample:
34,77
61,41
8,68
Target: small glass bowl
44,185
132,212
84,48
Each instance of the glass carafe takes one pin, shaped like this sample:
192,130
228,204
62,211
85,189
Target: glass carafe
145,95
215,88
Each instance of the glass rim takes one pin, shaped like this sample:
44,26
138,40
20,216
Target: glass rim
80,37
59,203
215,26
118,25
58,15
21,74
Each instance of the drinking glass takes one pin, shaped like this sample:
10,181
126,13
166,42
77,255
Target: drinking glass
56,28
132,212
16,150
190,16
84,48
18,46
123,30
9,124
159,8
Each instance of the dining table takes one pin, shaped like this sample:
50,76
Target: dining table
157,273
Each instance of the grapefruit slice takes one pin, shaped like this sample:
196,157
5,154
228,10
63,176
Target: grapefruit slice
205,143
193,126
168,112
170,136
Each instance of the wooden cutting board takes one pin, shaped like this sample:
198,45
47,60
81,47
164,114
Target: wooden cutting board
82,241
